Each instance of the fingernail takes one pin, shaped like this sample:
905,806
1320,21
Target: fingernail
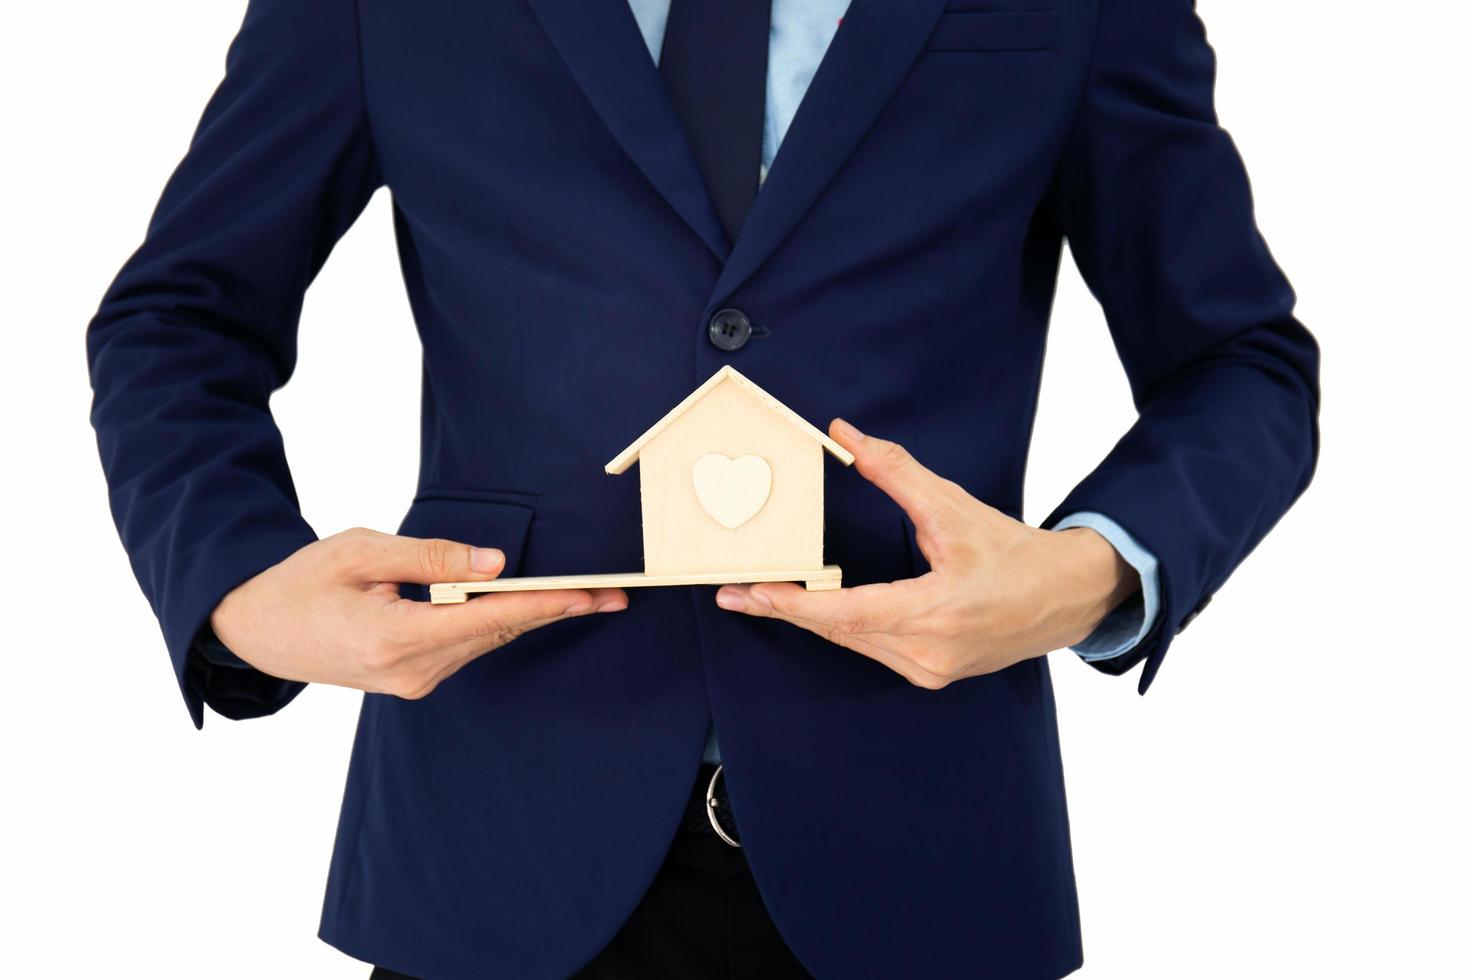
578,608
850,431
729,599
486,560
612,606
760,597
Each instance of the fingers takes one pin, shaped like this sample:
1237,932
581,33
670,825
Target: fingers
371,556
608,600
872,620
914,487
494,620
867,610
415,645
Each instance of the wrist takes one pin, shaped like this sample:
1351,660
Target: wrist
1096,580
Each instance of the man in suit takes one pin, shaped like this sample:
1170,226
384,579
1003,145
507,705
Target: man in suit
597,205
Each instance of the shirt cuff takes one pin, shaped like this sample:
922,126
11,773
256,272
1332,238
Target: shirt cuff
1123,628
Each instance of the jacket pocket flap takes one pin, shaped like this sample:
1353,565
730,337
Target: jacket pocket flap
469,520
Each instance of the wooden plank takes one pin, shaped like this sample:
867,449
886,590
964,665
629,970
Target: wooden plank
824,579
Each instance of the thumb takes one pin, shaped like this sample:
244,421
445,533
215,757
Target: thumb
890,468
377,557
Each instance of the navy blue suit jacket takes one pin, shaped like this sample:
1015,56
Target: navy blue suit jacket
562,257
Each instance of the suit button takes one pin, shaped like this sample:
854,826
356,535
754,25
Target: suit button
1193,614
729,329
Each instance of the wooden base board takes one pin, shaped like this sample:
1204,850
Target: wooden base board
823,579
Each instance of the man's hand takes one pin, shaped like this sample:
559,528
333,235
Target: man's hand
331,613
999,591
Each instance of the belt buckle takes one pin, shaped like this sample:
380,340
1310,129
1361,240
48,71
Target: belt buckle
709,809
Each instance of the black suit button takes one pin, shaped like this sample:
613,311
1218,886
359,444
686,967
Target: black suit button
729,329
1193,614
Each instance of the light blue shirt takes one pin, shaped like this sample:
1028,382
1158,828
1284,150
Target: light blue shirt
800,33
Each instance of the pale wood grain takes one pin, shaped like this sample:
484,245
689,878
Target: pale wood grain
732,491
628,456
679,536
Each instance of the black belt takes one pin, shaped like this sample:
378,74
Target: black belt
708,810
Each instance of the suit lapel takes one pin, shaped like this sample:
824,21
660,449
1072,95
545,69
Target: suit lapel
870,53
601,44
872,49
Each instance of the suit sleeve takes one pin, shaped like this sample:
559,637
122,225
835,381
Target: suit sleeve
1156,207
199,328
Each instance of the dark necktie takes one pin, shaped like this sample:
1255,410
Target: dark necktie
714,64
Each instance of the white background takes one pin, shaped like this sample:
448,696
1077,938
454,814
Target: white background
1287,801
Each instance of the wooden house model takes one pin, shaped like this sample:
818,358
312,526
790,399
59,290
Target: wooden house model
731,491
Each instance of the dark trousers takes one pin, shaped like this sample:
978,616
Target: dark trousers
701,918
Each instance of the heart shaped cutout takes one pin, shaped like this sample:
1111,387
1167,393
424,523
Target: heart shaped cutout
732,491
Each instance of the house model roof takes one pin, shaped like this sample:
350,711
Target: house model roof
629,456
